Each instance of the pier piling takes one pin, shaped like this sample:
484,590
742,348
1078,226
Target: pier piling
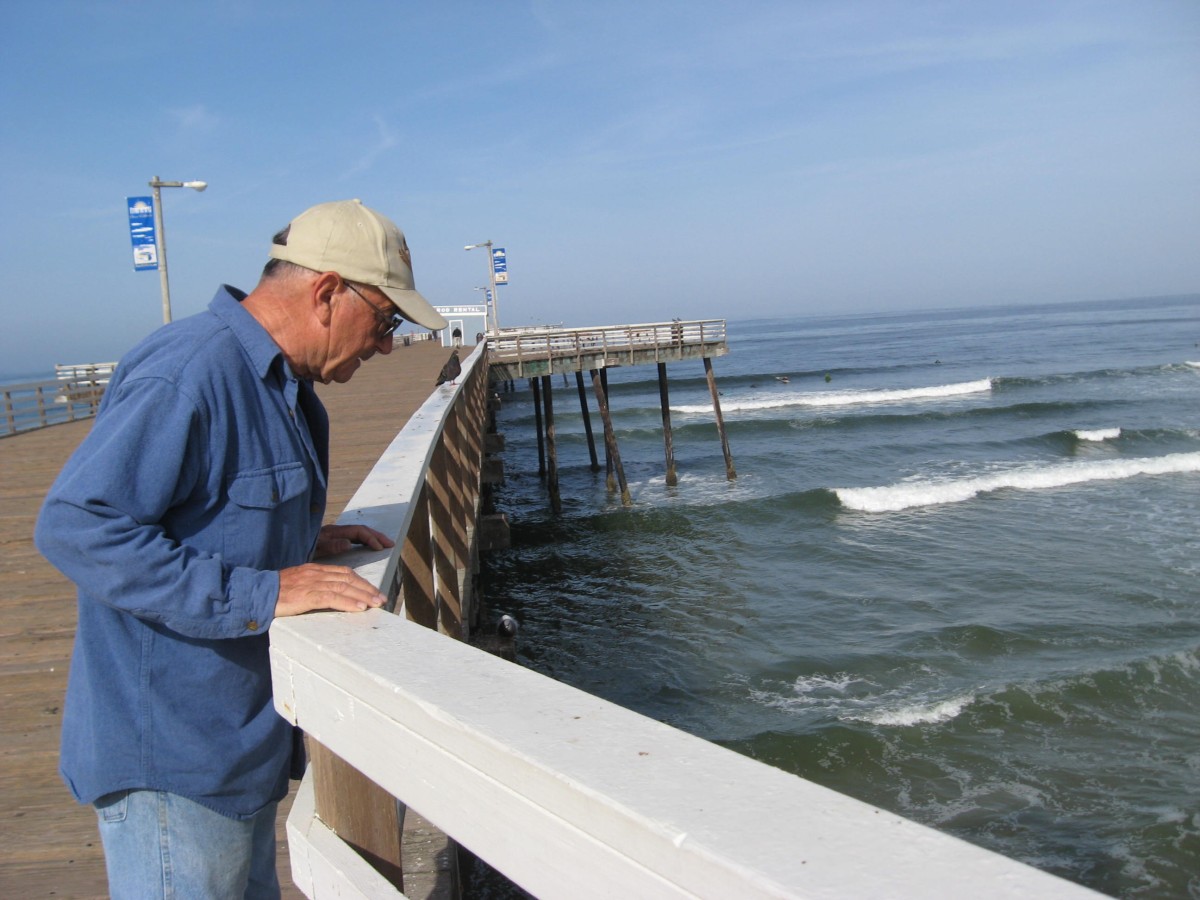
668,442
610,474
610,438
551,447
539,353
587,421
537,420
730,472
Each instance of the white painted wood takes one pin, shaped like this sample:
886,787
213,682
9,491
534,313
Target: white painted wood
384,500
322,864
544,342
572,796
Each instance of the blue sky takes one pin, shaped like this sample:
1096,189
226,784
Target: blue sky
637,160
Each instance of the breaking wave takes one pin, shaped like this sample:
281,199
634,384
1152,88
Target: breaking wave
1098,434
844,398
924,492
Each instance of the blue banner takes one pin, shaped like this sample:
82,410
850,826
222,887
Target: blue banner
499,265
141,233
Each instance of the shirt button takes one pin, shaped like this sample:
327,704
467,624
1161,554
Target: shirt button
315,509
252,625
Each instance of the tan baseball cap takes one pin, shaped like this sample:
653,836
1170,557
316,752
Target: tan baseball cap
362,246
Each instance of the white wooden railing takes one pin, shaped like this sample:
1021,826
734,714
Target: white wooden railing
74,393
569,795
615,343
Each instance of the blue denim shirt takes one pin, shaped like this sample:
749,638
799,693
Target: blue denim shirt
203,475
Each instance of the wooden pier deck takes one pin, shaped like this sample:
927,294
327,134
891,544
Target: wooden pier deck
49,845
533,352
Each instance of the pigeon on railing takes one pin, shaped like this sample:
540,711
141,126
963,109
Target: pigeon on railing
450,370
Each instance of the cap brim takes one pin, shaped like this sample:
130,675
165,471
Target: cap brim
414,307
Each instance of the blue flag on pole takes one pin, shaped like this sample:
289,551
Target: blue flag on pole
141,233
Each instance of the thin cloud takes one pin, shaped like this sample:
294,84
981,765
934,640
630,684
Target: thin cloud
384,142
194,119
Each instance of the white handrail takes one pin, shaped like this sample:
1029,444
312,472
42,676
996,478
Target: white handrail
569,341
74,393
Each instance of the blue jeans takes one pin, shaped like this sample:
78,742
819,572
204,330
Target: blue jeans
160,845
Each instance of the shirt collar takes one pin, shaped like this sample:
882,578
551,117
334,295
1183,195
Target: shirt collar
260,348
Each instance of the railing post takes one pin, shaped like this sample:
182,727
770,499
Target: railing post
417,587
358,811
452,438
446,592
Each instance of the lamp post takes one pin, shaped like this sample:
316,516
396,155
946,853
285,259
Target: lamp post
491,280
160,236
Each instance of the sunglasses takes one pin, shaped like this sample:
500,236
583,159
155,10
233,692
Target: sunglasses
387,321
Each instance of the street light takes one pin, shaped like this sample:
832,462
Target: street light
160,236
492,279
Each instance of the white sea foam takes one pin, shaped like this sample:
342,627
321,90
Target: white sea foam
842,398
1098,434
852,698
918,713
825,684
1194,365
813,691
916,493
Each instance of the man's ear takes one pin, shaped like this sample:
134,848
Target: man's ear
323,290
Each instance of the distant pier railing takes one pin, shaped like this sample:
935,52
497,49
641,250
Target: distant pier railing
524,353
75,393
565,793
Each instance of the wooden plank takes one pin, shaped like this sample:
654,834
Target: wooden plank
50,843
361,813
326,866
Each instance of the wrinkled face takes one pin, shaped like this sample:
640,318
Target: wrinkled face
362,324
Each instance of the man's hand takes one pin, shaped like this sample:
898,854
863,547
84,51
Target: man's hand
340,538
315,586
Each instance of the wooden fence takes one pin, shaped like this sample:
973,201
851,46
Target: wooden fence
75,393
521,353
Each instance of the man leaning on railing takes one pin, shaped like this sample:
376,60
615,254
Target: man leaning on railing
188,519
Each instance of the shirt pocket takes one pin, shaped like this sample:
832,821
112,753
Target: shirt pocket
267,520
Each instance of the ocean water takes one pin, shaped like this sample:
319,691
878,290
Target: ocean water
957,576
